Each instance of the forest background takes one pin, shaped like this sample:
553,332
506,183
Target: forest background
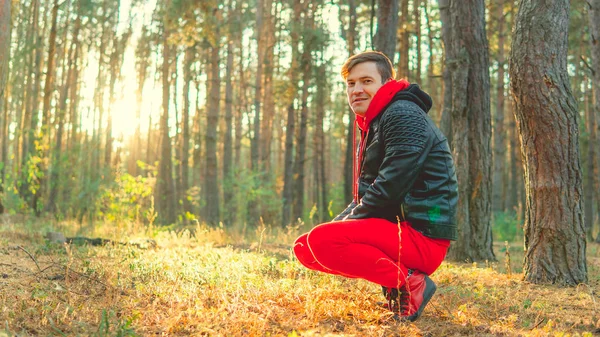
227,111
204,123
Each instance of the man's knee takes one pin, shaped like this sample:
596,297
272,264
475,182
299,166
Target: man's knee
301,249
322,241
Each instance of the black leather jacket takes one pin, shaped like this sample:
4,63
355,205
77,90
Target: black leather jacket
407,170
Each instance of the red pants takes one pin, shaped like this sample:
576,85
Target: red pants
368,249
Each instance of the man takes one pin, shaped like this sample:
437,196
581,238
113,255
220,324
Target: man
398,227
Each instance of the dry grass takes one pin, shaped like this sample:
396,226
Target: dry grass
201,285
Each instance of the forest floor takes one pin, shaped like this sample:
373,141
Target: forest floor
198,282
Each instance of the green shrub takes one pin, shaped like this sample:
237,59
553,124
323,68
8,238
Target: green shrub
506,226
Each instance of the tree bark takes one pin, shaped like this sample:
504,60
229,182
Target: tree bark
268,95
554,228
211,183
29,117
433,82
404,41
467,59
590,113
387,26
258,81
228,178
594,27
49,84
5,24
321,188
45,135
417,77
288,175
164,193
498,186
350,37
446,114
185,119
299,161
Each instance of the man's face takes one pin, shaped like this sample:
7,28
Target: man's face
361,85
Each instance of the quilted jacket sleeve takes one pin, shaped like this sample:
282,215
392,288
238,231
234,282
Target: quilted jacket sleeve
407,140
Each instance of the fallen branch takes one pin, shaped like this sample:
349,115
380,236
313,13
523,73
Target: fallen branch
31,256
81,240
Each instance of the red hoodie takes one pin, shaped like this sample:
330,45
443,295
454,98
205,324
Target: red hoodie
381,99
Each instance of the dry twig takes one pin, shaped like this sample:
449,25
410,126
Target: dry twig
31,256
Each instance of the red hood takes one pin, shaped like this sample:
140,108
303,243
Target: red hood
383,96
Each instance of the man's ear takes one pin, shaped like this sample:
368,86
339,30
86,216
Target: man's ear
389,79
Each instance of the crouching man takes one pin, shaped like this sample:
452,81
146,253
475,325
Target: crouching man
398,228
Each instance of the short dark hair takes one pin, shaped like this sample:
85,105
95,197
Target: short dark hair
383,63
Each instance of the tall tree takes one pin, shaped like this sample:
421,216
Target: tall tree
593,125
467,59
45,135
185,119
258,82
404,41
5,24
446,117
291,93
387,25
319,144
164,193
268,90
349,34
417,77
498,195
214,81
554,228
306,66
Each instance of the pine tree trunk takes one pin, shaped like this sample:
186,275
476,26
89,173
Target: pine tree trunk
164,193
34,99
554,228
498,186
256,142
417,78
349,154
404,41
258,82
387,25
299,161
467,59
288,173
49,84
74,88
211,183
46,129
268,95
185,119
320,156
590,113
594,126
197,167
28,131
5,14
228,178
242,101
433,83
446,114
